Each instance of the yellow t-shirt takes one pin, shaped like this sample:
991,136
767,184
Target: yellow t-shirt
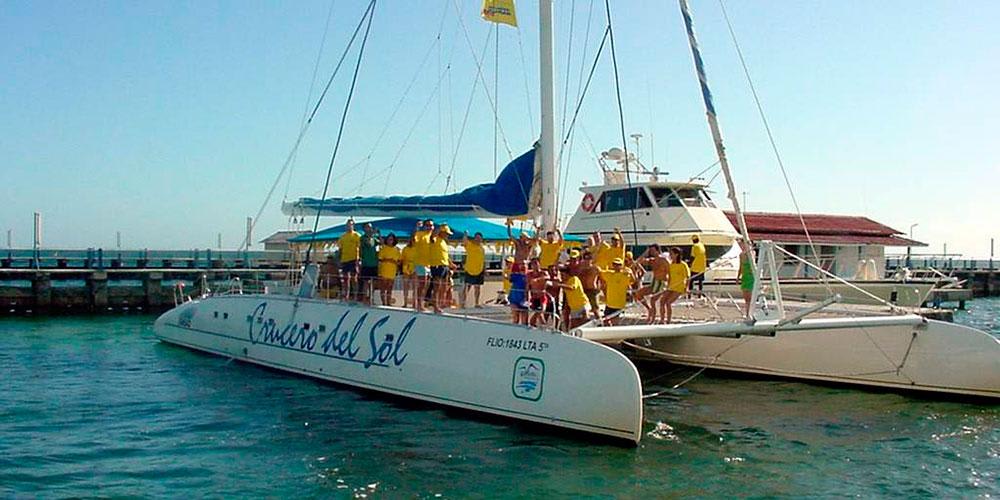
388,261
617,282
408,253
602,255
475,258
550,254
437,253
575,297
350,247
679,274
421,247
698,262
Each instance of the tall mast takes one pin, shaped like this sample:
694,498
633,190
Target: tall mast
713,122
547,93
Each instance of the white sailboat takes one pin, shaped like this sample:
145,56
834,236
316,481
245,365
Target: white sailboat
476,364
901,351
573,381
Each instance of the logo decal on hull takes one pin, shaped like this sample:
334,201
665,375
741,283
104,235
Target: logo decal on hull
341,342
528,379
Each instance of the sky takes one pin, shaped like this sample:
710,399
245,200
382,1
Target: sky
170,121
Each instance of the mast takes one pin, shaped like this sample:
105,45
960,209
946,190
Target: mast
548,130
713,122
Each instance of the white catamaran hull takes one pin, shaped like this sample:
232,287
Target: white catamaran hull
480,365
927,356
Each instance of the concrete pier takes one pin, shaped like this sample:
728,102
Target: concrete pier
74,291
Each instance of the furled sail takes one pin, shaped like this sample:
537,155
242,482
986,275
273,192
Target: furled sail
515,193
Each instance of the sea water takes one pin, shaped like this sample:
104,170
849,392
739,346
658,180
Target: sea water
95,406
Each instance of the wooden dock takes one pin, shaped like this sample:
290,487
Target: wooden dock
74,291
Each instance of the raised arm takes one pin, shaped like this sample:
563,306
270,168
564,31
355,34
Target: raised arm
510,233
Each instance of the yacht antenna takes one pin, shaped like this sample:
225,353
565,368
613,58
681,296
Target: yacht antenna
713,122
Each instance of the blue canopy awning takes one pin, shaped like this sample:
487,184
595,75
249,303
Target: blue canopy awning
403,227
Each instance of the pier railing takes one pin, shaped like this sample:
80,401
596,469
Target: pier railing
98,258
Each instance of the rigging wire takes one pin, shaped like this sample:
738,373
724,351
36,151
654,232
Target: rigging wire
465,121
770,137
527,89
305,127
579,103
572,136
340,131
621,121
496,92
481,79
309,95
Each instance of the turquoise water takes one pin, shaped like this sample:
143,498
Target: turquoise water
96,407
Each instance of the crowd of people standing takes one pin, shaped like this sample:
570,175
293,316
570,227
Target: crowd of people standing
545,281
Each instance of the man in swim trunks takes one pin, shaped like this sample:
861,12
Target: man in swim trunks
589,274
650,294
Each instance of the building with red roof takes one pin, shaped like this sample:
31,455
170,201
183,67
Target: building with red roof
845,243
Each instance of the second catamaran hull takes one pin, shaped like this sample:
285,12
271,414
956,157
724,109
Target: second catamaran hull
495,368
893,292
932,357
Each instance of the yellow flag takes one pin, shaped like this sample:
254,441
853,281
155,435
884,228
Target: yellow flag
500,11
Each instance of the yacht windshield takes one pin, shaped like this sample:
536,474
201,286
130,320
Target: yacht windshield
666,197
694,197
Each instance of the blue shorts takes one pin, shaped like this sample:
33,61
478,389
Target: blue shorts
420,270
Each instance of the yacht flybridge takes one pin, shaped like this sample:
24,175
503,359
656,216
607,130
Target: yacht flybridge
574,381
665,212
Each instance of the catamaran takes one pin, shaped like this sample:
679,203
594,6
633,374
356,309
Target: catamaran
570,380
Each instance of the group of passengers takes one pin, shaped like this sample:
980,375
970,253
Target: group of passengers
370,264
545,282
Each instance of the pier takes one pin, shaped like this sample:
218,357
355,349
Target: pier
97,281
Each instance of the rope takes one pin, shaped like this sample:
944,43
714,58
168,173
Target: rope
302,131
770,137
621,121
343,122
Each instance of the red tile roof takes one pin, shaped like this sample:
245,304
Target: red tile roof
825,229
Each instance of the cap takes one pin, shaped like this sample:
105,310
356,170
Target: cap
694,238
629,255
444,229
618,261
509,259
574,253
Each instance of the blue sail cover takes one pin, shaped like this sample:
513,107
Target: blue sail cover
511,195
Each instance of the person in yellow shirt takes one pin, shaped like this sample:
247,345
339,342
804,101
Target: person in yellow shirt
699,264
421,248
388,264
350,252
409,273
617,282
474,267
678,275
576,301
605,252
551,246
440,263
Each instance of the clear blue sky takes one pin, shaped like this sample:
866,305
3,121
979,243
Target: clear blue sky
168,121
